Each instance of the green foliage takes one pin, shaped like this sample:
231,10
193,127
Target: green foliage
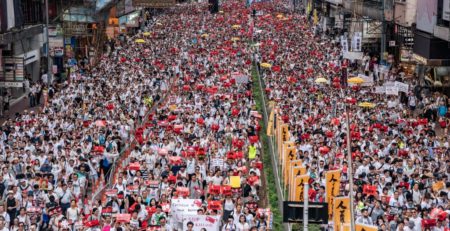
272,196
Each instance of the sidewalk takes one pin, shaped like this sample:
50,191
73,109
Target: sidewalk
18,106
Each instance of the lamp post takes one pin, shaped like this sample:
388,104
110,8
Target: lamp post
350,169
47,47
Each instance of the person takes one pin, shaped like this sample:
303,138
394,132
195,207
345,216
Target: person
12,204
190,226
229,225
242,225
365,219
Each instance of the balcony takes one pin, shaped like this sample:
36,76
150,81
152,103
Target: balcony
15,35
370,8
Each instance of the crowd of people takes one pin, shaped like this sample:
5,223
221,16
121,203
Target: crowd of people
400,144
168,114
171,104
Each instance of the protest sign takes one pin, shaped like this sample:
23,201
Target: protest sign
391,90
210,223
380,90
182,207
402,87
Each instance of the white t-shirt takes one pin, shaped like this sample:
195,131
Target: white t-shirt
72,214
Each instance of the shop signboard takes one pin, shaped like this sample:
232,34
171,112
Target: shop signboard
406,55
446,10
11,84
336,2
154,3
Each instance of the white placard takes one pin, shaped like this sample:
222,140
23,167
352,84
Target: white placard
380,90
353,55
403,87
210,223
391,90
181,207
11,84
217,162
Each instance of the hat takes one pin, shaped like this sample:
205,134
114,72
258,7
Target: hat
10,192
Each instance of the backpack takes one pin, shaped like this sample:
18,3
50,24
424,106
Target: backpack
105,163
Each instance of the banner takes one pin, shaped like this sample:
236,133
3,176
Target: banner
332,188
299,186
181,207
290,171
287,146
270,124
289,164
279,122
200,222
361,227
295,171
341,212
285,136
344,44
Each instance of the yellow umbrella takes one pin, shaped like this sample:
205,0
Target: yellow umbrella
321,80
205,35
366,104
234,39
280,16
236,26
355,80
146,33
140,41
266,65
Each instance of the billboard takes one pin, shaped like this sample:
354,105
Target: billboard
426,15
446,10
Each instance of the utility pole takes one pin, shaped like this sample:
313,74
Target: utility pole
47,47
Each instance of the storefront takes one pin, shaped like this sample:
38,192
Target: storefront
78,27
433,55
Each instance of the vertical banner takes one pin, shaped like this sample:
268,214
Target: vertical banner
344,44
289,156
287,149
332,188
296,170
291,175
341,212
285,132
278,135
356,42
316,17
270,124
361,227
299,186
